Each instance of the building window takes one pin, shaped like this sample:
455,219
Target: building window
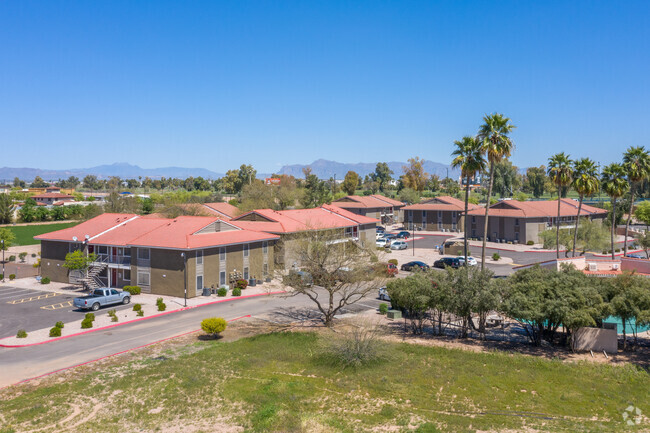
265,270
222,254
74,246
439,214
127,275
246,273
143,279
246,250
199,283
143,253
473,219
265,247
516,221
102,250
199,257
424,215
222,278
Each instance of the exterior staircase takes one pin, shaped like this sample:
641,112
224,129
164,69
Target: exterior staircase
90,280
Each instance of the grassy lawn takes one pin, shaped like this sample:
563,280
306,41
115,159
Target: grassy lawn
282,382
25,234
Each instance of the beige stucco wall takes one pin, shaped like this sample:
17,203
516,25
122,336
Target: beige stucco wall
596,339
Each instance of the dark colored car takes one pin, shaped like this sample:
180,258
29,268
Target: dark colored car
381,229
414,265
403,235
452,262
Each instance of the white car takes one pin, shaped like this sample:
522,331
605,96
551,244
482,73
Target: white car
398,245
381,242
471,261
383,294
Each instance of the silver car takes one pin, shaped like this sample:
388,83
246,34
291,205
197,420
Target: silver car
398,245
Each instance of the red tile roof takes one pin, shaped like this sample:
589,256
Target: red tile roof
374,201
360,219
538,209
443,203
92,228
51,195
225,209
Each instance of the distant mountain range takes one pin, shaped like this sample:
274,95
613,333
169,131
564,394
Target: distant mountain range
324,169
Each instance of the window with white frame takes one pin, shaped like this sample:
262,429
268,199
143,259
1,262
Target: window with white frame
222,254
143,253
222,278
246,250
199,283
265,247
246,273
199,257
265,270
127,275
143,279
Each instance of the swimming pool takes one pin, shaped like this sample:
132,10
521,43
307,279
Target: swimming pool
628,328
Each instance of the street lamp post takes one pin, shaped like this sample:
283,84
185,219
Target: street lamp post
184,278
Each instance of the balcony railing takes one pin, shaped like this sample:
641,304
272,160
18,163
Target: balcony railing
115,260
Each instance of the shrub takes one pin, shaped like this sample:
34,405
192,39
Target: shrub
241,284
383,308
617,250
113,315
214,325
222,292
162,306
137,307
393,262
159,301
133,290
236,291
2,276
33,255
530,243
55,332
496,257
356,346
45,280
21,333
140,313
12,276
90,316
12,258
86,323
22,256
59,324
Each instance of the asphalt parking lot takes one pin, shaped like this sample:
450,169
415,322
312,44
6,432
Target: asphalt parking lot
34,309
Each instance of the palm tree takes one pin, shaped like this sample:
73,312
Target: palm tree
636,163
615,184
496,143
469,156
585,182
559,170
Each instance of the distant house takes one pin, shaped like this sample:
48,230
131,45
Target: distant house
374,206
523,221
290,223
442,213
52,198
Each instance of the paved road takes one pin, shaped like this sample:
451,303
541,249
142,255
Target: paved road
27,362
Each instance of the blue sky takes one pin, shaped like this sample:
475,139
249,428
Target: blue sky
215,84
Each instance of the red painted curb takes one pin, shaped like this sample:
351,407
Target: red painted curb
137,320
114,354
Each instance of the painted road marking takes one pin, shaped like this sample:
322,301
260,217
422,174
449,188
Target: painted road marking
33,298
57,306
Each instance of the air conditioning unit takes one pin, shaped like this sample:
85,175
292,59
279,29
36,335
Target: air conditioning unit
616,266
593,267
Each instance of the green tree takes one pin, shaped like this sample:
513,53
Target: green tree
78,261
245,175
230,182
414,176
316,191
350,183
560,172
585,182
39,183
414,294
91,182
469,157
27,211
615,185
19,183
8,237
642,213
286,192
433,183
636,162
383,175
644,241
6,209
408,195
629,299
257,196
450,186
535,181
507,179
494,134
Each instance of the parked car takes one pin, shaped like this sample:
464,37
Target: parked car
414,265
380,229
390,236
452,262
383,294
389,268
635,256
403,234
471,261
398,245
101,298
382,242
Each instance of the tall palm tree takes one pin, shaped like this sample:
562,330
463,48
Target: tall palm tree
496,143
469,156
615,184
585,182
559,170
636,163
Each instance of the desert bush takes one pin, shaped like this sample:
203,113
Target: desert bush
45,280
90,316
33,255
59,324
12,258
162,306
159,301
241,284
214,325
140,313
393,261
21,333
113,315
355,346
55,332
383,308
530,243
22,256
222,292
496,257
12,277
133,290
137,307
236,291
86,323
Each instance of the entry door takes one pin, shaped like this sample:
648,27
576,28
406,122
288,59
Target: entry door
113,282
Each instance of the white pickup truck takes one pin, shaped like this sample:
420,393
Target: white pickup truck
102,297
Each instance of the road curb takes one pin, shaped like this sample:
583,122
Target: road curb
164,313
119,353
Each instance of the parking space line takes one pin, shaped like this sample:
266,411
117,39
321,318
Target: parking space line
57,306
33,298
13,290
7,297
